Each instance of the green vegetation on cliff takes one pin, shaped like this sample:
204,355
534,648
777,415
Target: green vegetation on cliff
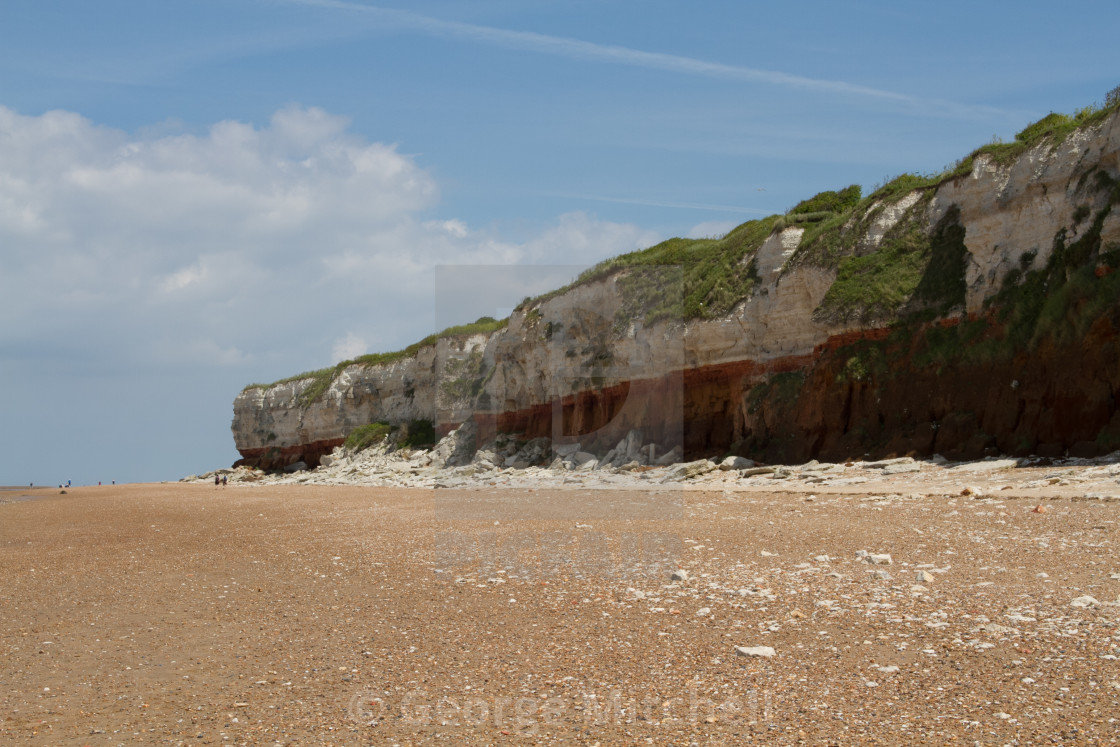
1048,321
322,378
829,202
912,271
413,433
715,274
365,436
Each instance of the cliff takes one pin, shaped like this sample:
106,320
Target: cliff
966,313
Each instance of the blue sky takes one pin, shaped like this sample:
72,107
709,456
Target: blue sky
198,195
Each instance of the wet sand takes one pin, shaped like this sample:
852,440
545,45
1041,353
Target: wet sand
188,614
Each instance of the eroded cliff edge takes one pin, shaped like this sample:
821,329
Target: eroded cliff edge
973,311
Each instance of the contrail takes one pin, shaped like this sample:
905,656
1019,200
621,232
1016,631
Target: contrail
584,50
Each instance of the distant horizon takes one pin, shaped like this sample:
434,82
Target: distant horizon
198,196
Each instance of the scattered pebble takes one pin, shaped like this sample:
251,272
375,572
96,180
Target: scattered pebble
764,652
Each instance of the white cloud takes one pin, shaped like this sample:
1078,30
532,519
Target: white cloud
456,228
240,244
182,278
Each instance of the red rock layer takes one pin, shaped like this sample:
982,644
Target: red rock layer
1057,399
278,457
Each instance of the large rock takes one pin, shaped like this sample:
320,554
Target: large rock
536,452
736,463
690,470
457,448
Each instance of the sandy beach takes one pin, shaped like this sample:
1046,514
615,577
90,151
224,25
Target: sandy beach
186,614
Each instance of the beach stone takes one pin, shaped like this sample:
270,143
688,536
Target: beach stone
879,559
679,575
1085,602
924,577
694,469
735,462
989,465
897,469
752,471
764,652
883,463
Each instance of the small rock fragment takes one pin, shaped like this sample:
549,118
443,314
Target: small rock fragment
764,652
924,577
1085,602
679,575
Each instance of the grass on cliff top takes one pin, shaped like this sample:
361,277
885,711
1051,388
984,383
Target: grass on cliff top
828,242
322,378
715,274
1052,130
829,202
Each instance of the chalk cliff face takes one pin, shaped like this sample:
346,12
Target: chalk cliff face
975,312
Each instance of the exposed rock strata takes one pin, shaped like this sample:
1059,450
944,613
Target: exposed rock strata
1022,359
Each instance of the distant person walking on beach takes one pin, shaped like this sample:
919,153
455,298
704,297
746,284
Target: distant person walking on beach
223,481
217,481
